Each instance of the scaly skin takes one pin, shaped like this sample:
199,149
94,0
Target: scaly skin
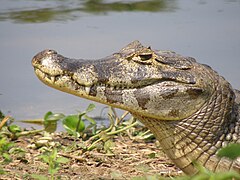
190,109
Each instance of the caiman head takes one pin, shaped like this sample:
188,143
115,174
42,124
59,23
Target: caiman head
165,90
157,84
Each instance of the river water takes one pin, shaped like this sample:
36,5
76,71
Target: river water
206,30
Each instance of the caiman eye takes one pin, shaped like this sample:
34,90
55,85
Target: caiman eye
145,57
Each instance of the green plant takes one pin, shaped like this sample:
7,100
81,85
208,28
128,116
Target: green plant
53,161
75,125
205,174
2,171
232,151
1,115
117,126
50,121
5,146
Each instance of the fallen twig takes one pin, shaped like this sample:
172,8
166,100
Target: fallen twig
3,122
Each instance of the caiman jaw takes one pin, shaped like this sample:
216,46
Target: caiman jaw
146,83
47,68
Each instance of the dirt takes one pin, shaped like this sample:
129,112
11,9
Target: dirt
127,158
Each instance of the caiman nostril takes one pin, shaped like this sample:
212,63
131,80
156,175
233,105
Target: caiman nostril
49,51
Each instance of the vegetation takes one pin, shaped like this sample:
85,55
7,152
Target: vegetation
63,11
57,154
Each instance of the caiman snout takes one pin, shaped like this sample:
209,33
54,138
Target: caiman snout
37,59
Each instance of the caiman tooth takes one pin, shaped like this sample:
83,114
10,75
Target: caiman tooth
87,89
53,79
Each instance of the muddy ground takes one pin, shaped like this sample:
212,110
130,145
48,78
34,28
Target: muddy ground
126,157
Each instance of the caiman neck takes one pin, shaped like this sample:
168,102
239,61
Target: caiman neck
199,137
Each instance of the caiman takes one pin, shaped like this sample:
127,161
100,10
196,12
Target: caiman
191,110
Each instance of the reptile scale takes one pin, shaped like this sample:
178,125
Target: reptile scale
190,109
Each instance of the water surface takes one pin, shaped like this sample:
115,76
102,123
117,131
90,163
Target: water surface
206,30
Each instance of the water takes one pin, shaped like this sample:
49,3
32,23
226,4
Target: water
206,30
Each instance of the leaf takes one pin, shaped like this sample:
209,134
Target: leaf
45,158
54,154
202,169
152,155
50,126
226,175
108,145
232,151
1,115
71,122
91,120
39,177
53,170
5,145
16,150
138,178
2,171
7,157
143,167
116,175
153,177
71,131
49,116
90,108
92,127
62,160
14,128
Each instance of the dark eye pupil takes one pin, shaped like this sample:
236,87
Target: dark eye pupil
145,57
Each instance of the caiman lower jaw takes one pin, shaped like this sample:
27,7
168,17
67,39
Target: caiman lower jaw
64,83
